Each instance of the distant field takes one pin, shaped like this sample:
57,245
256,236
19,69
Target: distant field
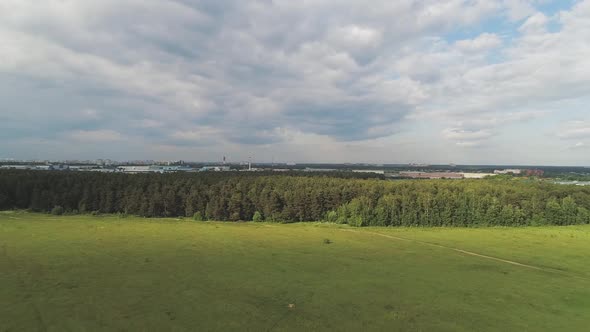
84,273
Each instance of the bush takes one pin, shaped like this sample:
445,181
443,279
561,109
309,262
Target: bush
356,221
257,217
332,216
57,211
197,216
275,217
234,216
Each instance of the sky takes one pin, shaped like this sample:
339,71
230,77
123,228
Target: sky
425,81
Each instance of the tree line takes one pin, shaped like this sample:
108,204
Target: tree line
335,197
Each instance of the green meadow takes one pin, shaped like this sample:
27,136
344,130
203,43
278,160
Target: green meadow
104,273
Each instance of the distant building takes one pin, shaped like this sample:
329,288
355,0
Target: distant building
374,171
21,167
477,175
153,169
215,169
82,168
136,169
508,171
169,169
252,169
308,169
60,167
534,172
432,175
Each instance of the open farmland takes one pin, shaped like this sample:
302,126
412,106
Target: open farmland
107,273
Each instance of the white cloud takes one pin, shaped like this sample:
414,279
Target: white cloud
535,24
575,130
90,113
470,144
354,37
94,136
580,145
483,42
519,9
468,138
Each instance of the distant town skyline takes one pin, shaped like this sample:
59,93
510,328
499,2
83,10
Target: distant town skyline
8,162
480,82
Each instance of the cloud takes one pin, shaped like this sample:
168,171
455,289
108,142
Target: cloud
94,136
478,130
468,138
211,63
575,130
355,37
231,73
483,42
535,24
580,146
519,9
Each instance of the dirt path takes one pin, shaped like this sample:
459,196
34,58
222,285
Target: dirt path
465,252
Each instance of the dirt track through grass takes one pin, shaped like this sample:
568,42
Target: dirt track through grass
470,253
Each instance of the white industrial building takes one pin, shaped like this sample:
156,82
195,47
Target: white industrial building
508,171
477,175
374,171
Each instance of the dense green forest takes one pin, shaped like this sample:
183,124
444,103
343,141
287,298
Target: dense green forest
339,198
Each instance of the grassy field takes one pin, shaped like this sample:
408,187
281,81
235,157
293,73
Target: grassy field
88,273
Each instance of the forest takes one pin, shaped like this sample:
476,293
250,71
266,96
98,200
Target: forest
339,198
